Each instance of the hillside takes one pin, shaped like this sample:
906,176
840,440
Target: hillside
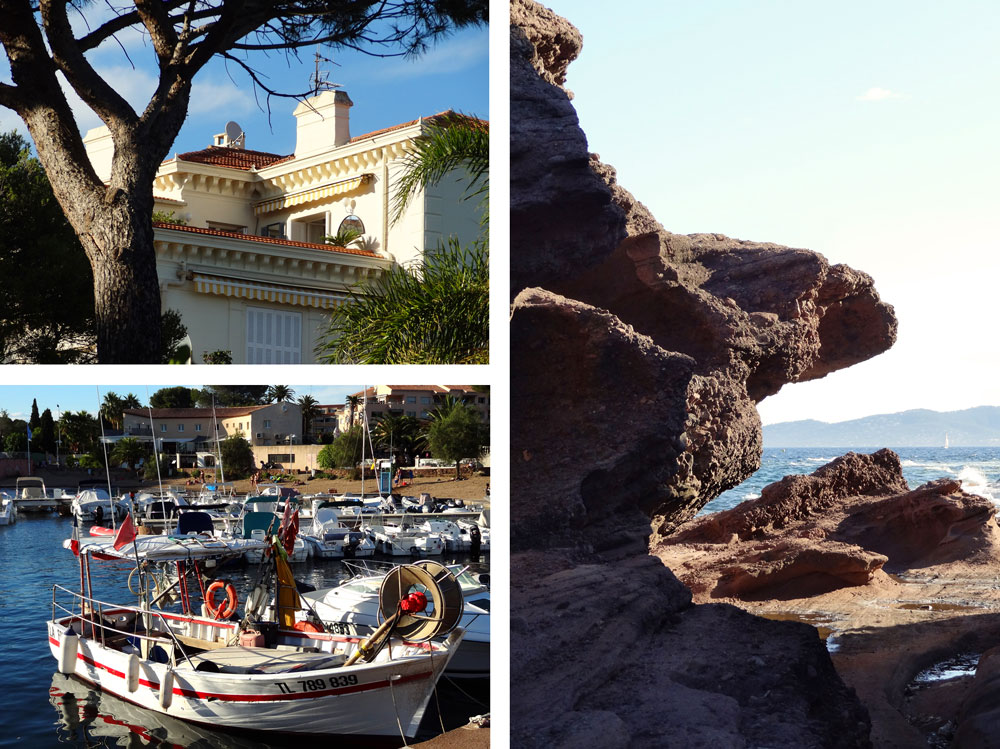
918,428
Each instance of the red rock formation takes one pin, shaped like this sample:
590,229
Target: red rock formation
751,316
638,357
836,527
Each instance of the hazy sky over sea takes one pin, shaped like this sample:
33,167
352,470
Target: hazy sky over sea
866,132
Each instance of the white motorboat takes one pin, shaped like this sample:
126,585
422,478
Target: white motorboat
31,496
93,504
8,510
332,539
271,677
403,539
353,608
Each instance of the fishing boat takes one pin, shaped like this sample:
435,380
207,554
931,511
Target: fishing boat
281,675
353,608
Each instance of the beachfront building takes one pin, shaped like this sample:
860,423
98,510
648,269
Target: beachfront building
413,400
326,421
196,429
250,271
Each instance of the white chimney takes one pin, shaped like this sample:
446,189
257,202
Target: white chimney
100,150
323,123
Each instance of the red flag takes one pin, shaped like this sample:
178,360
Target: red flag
74,544
291,531
126,532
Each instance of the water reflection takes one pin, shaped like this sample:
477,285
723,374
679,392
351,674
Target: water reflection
90,718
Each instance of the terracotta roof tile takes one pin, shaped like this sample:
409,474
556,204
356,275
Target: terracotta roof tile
235,158
266,240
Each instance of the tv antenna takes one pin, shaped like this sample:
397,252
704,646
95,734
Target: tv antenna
321,78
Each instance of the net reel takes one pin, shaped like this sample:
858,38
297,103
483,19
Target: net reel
417,602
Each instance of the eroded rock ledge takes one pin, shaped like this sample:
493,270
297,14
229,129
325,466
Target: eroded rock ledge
638,357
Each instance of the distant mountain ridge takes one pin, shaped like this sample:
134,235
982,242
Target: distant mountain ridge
973,427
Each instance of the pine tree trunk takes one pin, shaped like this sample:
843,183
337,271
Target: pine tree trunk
126,289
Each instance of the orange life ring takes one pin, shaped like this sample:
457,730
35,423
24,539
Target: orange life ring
216,610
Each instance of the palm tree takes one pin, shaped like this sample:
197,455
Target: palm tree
129,450
401,434
308,405
437,313
80,430
279,394
131,401
111,409
450,143
352,401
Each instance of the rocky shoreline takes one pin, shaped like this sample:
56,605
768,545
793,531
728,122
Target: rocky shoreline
900,579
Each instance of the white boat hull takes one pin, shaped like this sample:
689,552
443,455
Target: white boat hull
360,700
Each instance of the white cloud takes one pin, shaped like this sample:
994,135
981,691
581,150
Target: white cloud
452,55
208,96
876,93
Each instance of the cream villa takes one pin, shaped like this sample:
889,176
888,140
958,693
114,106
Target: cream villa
250,272
190,433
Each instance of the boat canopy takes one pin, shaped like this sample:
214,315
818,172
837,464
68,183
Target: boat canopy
169,548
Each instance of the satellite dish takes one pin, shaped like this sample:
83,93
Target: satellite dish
233,131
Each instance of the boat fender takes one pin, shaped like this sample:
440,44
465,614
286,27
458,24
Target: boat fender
167,688
223,609
132,673
68,647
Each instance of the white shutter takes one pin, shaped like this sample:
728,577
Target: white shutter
273,337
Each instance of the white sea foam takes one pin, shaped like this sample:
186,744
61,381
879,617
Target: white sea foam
975,482
751,496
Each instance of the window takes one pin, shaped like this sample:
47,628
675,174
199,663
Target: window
163,428
352,222
411,413
309,229
220,226
273,230
273,337
180,427
425,401
411,399
197,427
267,423
281,458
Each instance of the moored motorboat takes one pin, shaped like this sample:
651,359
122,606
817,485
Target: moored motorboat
332,539
403,539
30,495
8,510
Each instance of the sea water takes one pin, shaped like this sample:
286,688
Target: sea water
36,711
978,468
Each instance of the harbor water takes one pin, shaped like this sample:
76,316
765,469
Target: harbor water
43,709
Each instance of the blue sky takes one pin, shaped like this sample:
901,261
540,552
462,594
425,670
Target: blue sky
453,74
863,131
16,399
